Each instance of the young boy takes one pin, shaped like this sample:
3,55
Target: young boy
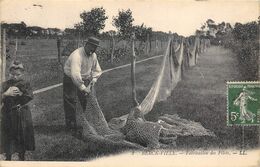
17,134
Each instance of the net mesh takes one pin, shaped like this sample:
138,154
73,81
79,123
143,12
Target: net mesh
144,132
170,74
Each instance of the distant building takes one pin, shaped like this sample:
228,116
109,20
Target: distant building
15,29
54,31
70,31
35,30
20,29
45,32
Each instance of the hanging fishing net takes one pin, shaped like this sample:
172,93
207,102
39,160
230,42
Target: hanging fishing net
132,130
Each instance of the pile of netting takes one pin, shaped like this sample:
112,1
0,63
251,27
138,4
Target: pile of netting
132,130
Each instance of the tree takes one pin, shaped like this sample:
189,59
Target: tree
112,34
79,27
199,33
210,21
141,32
203,27
228,27
246,31
135,102
124,23
92,21
221,27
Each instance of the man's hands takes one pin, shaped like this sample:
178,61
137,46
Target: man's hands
87,90
13,91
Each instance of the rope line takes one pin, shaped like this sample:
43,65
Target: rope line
105,71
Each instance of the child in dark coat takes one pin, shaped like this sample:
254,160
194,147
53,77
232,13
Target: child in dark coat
17,133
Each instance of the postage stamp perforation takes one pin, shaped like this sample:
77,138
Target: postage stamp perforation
227,118
243,82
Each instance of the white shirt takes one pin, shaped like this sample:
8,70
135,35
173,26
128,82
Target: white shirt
80,66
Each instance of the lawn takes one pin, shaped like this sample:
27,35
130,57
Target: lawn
200,96
40,57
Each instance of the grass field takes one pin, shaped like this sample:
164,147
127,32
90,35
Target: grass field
40,57
200,96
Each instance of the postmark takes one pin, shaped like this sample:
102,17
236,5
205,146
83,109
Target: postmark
243,103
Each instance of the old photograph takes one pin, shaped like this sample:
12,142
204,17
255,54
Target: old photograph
85,80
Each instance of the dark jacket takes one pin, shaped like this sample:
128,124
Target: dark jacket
16,121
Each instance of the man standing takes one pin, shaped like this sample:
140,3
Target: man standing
81,71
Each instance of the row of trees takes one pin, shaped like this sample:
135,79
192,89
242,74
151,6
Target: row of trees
21,30
244,41
93,22
214,31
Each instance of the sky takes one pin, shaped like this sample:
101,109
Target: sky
181,16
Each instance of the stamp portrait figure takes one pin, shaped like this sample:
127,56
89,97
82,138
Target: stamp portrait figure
241,101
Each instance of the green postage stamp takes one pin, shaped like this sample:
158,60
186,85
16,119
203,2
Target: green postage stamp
243,103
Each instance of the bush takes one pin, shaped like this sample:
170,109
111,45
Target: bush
244,42
69,48
246,31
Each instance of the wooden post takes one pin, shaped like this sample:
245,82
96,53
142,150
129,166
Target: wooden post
78,39
125,44
1,77
3,54
2,65
147,44
257,52
113,48
135,102
1,62
150,44
58,47
156,45
16,48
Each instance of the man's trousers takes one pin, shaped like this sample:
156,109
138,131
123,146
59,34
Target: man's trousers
70,95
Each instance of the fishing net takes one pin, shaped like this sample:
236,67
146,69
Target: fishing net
96,129
169,75
134,131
